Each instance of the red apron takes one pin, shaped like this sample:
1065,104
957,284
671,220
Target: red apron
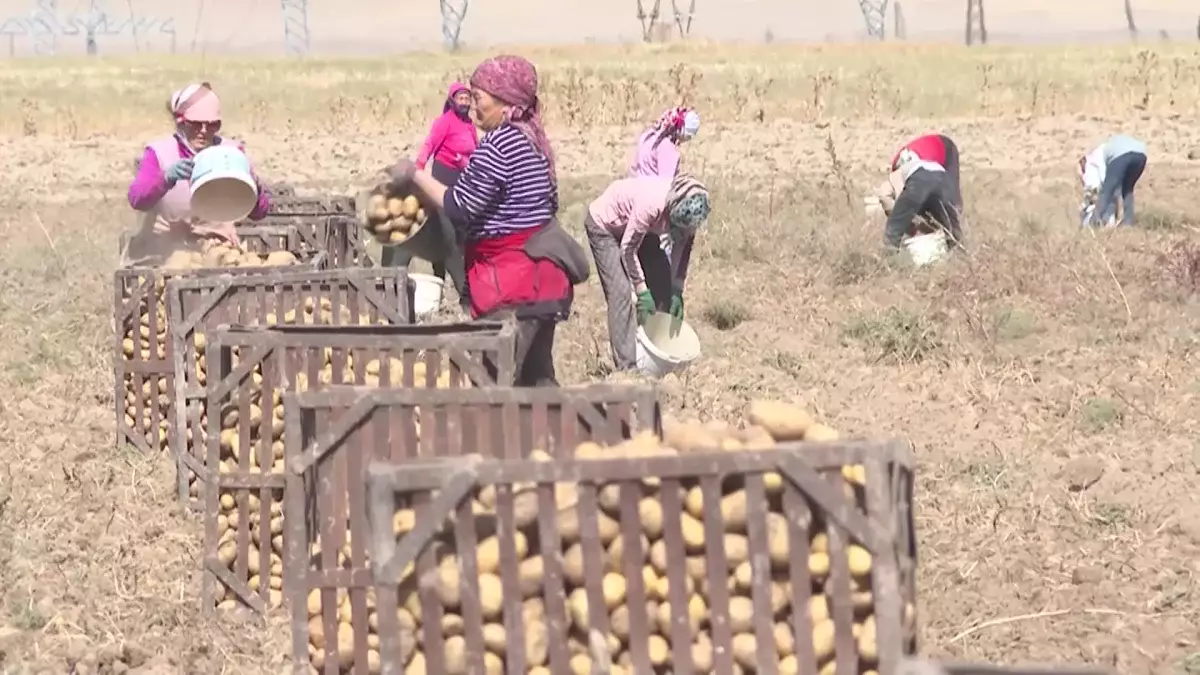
501,275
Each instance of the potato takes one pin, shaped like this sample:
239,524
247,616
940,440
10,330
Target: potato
493,637
741,614
822,637
785,642
784,421
491,595
613,587
456,655
745,650
410,206
819,433
395,207
660,650
537,644
488,552
860,560
531,573
867,647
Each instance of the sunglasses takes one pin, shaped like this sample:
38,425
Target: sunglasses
197,127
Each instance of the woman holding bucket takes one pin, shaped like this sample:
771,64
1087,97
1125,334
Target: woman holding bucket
161,190
636,275
520,262
446,151
923,186
657,150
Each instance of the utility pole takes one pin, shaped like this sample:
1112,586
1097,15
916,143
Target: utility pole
454,12
976,24
295,26
873,12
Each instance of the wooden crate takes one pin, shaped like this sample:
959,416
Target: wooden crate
778,570
278,296
338,235
271,362
143,379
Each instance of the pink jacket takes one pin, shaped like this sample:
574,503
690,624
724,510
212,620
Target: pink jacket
654,160
451,139
168,208
632,208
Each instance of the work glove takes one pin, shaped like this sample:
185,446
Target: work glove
181,170
645,306
677,305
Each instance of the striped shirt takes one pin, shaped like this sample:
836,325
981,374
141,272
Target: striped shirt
506,187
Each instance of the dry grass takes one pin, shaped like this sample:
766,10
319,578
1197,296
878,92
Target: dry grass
1047,377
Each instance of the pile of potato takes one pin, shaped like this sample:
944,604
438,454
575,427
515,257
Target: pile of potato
217,253
391,218
768,423
313,313
137,339
266,421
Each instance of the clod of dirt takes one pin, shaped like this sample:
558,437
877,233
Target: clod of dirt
1082,472
1087,574
1194,153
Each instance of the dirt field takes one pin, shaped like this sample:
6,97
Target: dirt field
1047,377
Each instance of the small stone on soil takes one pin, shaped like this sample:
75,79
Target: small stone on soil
1082,472
1086,574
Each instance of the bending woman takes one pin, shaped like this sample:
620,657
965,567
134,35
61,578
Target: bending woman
446,151
657,151
161,190
519,262
636,275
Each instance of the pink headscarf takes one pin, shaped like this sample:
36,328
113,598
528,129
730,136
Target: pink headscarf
514,80
195,103
454,89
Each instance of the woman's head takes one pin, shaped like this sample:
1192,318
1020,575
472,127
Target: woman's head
197,114
504,89
688,204
458,100
678,124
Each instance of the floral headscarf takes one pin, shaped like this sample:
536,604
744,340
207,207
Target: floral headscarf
677,123
688,205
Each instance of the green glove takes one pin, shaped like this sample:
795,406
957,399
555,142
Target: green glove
645,306
677,305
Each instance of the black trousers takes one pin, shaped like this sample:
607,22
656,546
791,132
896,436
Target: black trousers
535,349
453,264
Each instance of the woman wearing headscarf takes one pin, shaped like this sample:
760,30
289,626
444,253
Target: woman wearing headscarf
446,151
657,150
161,190
923,191
621,224
520,262
1111,170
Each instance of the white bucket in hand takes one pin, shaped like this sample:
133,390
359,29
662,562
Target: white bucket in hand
926,249
661,349
223,189
427,293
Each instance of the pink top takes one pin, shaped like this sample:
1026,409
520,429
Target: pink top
630,209
654,160
451,139
169,207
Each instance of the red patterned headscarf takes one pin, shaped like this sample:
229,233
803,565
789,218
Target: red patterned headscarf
514,80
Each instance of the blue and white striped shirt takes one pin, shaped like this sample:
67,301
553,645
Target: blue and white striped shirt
506,187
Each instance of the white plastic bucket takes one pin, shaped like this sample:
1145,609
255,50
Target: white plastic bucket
926,249
661,349
223,189
427,293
